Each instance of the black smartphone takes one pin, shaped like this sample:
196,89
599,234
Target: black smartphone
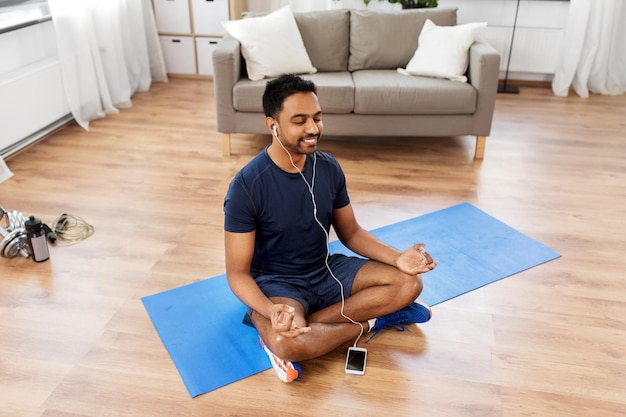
355,360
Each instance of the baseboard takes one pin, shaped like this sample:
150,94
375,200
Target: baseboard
36,137
528,83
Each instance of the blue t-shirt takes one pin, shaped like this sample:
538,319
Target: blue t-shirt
279,207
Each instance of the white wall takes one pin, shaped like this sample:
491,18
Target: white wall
538,35
307,5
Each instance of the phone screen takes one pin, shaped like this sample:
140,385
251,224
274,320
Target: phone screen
355,363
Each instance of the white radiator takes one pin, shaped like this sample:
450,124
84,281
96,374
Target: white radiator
32,100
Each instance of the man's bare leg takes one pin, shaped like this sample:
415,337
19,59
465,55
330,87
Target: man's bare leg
323,338
378,290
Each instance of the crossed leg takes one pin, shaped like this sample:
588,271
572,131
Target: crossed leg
378,289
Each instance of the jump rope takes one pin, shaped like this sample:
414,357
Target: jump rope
310,187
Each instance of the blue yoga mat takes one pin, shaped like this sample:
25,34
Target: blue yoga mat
200,323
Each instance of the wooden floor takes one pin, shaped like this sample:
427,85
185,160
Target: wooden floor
75,340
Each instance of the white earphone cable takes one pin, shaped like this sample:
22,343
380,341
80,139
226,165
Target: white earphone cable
310,187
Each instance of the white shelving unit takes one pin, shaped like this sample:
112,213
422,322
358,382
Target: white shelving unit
189,30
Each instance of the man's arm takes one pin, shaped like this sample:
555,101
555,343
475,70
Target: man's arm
239,248
412,261
359,240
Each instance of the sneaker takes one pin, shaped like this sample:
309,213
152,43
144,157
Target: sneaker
287,371
416,312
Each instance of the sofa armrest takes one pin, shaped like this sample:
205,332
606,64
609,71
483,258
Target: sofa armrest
484,69
226,72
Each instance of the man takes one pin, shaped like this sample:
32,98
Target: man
278,211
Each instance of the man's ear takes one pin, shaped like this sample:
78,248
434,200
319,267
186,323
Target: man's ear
270,122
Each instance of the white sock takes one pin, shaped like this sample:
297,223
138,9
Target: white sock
371,322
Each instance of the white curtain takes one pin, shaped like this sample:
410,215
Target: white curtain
594,53
108,50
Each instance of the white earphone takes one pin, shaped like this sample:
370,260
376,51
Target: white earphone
311,186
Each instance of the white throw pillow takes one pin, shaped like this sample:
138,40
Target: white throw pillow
271,44
442,51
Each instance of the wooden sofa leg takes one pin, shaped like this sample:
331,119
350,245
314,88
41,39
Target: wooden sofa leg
226,144
479,153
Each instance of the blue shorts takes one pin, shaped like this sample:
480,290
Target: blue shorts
316,289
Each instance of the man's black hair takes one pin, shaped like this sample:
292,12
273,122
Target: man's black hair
276,91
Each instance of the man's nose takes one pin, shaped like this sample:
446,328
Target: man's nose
311,127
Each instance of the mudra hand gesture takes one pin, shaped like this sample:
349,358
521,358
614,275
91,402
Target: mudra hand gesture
415,260
283,323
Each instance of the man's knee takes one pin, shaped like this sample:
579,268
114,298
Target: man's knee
419,285
290,349
412,286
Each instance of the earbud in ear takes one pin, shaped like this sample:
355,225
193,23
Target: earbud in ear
275,132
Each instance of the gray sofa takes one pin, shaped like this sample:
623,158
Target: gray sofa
361,93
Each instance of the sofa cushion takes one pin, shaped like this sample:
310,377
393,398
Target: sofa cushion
271,44
335,91
326,37
389,92
248,95
443,51
388,40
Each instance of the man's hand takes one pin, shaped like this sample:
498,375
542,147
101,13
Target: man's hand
282,317
415,260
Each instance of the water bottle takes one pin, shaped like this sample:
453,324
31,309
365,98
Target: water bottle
36,239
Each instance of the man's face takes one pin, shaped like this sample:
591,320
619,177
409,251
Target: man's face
300,123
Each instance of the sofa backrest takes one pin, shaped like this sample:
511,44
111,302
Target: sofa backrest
326,37
388,40
357,39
